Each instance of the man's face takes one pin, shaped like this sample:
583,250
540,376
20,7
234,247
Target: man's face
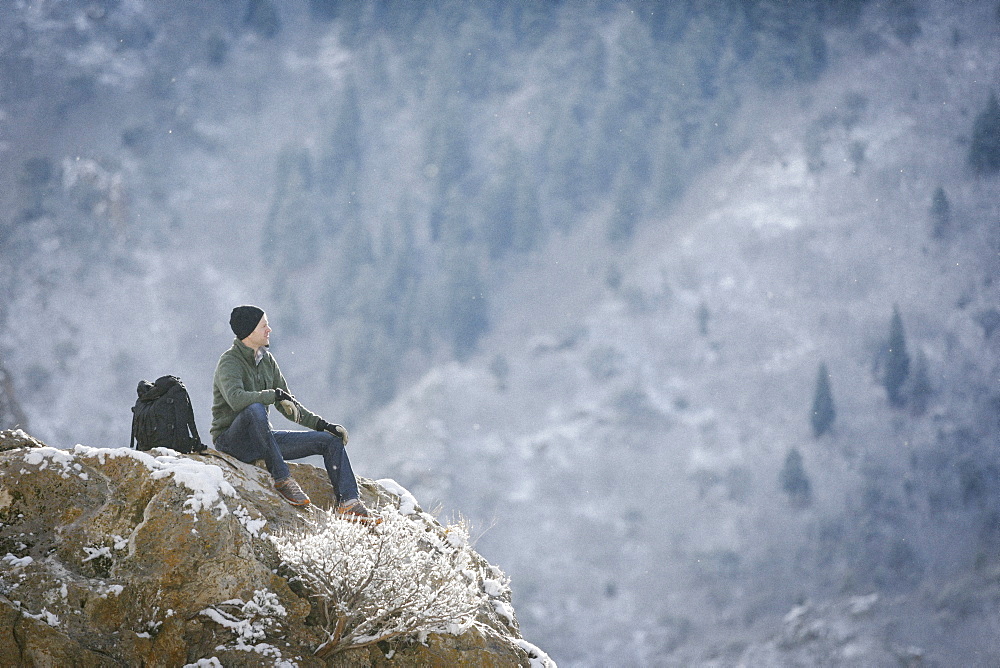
260,336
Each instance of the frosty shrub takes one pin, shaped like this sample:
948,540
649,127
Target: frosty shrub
375,583
251,621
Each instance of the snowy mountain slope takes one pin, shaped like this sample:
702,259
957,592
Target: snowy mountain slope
632,410
620,435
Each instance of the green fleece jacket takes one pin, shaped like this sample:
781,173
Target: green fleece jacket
240,382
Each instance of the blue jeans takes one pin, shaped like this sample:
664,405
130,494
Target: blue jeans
250,438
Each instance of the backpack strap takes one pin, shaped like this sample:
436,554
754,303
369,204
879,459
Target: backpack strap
142,390
192,425
138,422
132,440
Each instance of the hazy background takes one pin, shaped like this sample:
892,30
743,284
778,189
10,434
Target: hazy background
579,272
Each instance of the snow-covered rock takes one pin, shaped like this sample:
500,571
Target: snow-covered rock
109,556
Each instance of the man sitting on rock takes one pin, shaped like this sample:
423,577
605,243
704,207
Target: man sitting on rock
247,381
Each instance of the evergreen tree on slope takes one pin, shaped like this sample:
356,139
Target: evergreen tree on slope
823,411
984,152
897,362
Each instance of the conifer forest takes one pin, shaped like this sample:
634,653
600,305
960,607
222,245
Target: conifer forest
690,310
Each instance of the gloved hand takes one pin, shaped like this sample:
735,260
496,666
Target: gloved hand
335,429
286,401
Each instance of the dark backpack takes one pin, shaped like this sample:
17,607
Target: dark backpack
163,418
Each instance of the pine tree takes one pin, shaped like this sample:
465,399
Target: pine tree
823,411
11,415
624,215
794,481
262,18
291,236
510,207
904,21
984,153
342,154
703,317
447,147
500,369
897,362
921,390
35,179
467,306
790,42
940,213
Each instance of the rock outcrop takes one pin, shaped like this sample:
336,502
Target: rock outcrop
112,557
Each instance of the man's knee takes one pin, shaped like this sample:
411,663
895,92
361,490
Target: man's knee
256,412
331,441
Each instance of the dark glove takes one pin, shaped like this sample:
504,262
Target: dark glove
287,401
335,429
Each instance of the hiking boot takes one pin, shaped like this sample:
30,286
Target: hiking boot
290,489
355,511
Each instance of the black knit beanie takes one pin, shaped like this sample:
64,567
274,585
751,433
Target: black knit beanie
244,320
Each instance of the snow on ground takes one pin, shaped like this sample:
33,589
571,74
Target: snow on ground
206,481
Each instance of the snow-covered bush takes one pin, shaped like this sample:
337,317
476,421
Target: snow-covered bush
400,578
251,622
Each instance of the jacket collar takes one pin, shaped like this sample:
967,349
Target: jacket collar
245,351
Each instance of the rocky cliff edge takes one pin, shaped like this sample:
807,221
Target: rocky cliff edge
113,557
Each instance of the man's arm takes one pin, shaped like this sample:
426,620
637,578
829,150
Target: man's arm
306,417
230,377
296,412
